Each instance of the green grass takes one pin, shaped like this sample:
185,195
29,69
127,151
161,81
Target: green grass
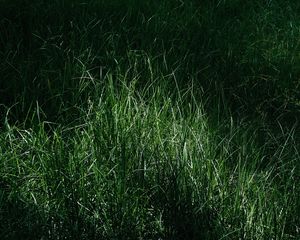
149,120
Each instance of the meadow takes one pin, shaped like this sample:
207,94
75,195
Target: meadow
128,119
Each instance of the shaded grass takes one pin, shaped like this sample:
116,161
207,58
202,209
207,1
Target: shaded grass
247,52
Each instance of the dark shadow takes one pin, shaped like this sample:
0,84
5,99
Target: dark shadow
19,220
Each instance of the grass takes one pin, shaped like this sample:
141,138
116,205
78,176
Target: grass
131,120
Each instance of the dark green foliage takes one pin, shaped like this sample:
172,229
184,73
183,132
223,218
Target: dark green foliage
149,119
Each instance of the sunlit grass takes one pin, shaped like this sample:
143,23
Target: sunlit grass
140,167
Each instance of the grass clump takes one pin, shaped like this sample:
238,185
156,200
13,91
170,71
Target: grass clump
143,167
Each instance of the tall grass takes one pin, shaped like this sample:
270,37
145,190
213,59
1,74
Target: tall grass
131,120
143,166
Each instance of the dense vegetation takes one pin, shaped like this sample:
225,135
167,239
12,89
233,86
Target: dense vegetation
128,119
